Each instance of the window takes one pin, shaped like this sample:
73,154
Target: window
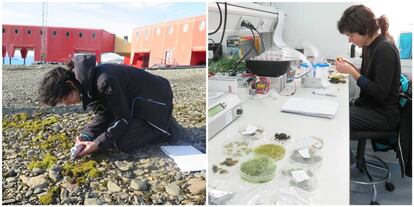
146,34
158,31
94,35
41,32
67,34
202,25
171,29
185,28
4,30
16,31
29,32
54,33
80,34
137,34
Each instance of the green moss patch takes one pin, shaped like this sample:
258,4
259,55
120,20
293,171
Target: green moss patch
46,163
50,196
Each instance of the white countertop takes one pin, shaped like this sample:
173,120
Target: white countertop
332,176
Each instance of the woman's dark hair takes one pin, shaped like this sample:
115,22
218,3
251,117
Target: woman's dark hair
361,19
55,86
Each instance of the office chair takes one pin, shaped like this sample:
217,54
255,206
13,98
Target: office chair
363,170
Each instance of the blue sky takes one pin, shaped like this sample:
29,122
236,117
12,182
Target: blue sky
118,18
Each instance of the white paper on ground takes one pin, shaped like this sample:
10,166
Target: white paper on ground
187,158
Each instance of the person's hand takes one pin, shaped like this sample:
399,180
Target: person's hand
343,67
78,140
90,147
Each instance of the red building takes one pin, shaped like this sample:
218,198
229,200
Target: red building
61,42
180,42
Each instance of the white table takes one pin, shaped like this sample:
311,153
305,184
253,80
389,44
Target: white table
332,176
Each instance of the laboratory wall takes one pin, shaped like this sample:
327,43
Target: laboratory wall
312,26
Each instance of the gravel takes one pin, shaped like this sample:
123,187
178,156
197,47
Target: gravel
144,177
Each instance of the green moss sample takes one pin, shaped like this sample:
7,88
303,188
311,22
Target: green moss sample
274,151
46,163
49,197
258,169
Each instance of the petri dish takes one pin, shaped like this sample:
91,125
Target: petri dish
281,137
309,184
237,148
314,159
258,169
274,151
252,132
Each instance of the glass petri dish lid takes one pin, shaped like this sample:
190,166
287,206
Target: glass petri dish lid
236,148
274,151
258,169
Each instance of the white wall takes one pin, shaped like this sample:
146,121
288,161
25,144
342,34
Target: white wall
312,26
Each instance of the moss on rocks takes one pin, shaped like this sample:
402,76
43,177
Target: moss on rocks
46,163
49,197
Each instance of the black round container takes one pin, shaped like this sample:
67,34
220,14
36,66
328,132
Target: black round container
267,68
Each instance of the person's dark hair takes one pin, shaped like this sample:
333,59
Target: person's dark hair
55,86
360,19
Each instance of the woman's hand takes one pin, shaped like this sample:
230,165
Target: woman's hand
90,147
344,66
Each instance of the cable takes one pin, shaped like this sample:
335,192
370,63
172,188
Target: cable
221,17
233,72
224,30
212,40
261,39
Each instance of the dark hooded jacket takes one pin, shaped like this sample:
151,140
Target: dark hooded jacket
119,94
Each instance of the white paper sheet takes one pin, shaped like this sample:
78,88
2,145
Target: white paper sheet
311,107
187,158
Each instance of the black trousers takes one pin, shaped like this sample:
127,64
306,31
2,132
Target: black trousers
361,117
138,134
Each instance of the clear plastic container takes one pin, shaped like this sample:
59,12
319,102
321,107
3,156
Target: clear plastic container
258,169
274,151
314,159
237,148
247,132
309,184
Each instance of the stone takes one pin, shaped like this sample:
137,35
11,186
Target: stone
139,172
35,182
173,189
8,201
37,171
38,190
30,153
11,179
138,184
91,201
197,186
55,176
123,165
112,187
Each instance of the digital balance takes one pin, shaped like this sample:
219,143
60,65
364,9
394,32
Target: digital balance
223,109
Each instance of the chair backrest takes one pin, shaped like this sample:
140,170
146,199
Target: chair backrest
405,90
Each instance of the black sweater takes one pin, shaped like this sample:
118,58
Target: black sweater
380,77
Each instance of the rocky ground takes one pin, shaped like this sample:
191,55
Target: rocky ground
37,169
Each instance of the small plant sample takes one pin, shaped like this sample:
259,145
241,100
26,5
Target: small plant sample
258,169
237,148
273,151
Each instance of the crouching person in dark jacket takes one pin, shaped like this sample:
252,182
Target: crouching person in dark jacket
132,107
